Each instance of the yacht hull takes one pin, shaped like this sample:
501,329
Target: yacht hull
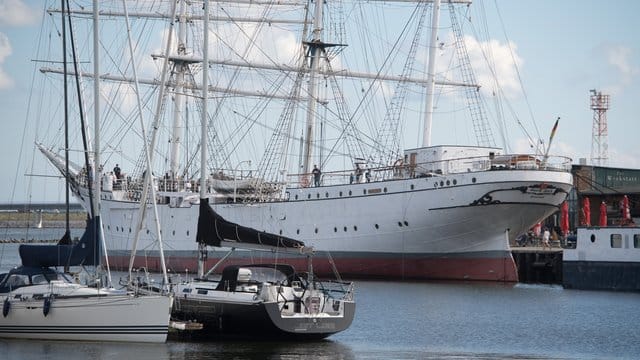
121,318
256,319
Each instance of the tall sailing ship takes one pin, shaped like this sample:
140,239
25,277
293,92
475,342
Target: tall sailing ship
283,98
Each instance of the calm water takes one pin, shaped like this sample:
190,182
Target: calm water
425,320
37,234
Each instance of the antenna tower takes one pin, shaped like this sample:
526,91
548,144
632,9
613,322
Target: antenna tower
599,143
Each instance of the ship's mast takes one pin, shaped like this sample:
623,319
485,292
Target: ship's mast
180,68
315,50
431,76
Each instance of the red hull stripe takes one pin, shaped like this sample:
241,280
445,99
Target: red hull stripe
489,268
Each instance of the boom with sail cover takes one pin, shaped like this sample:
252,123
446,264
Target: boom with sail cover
85,252
214,230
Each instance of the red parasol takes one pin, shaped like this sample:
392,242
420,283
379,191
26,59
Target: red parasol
603,214
564,218
586,212
626,212
537,229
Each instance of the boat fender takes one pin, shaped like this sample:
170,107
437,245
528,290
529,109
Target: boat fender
47,306
5,307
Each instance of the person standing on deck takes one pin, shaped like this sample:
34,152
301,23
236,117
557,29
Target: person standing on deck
358,173
545,238
316,175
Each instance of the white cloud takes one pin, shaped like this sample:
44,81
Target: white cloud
5,50
504,61
618,56
624,158
17,13
493,62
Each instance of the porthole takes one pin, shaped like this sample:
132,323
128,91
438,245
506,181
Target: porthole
400,223
316,230
448,183
455,182
441,183
349,192
296,197
435,184
593,238
308,196
412,186
473,180
318,195
377,226
298,231
364,191
280,231
173,233
117,228
335,229
406,223
385,189
108,227
345,229
355,228
340,193
129,230
147,231
187,232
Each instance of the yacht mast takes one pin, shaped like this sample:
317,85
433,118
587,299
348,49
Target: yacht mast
428,116
96,128
66,238
315,49
202,247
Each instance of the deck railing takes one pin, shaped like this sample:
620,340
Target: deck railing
435,168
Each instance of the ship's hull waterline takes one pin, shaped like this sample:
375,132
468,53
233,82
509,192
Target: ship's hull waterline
450,227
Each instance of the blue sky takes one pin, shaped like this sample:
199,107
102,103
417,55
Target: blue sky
566,48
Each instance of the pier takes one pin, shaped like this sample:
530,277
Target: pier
538,265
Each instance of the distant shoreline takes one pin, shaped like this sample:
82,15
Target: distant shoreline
45,220
28,241
49,224
30,222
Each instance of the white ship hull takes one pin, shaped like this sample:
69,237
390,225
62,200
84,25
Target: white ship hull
106,317
409,228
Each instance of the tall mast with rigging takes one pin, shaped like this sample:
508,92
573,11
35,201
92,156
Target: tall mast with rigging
315,50
431,76
180,68
202,247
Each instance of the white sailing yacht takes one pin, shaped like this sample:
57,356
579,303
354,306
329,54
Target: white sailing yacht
281,99
40,302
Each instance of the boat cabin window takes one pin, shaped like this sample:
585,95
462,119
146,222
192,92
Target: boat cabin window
39,279
636,241
616,241
261,275
16,280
